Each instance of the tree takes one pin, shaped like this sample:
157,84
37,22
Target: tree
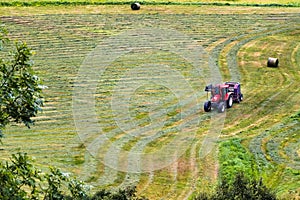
20,180
241,188
20,88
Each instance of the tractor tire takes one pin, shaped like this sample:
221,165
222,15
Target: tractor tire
229,102
221,107
241,97
207,106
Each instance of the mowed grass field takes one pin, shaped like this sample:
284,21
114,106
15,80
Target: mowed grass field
237,40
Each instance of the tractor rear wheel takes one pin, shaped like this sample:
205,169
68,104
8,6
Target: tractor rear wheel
229,101
241,97
221,107
207,106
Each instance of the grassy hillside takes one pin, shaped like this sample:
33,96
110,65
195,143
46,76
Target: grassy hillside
264,128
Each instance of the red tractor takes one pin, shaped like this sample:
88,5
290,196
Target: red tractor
223,96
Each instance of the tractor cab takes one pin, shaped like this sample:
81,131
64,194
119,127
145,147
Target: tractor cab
219,92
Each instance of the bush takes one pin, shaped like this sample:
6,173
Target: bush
234,157
240,189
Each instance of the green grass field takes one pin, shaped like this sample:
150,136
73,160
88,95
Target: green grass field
264,128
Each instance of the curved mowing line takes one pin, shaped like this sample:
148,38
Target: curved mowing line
172,189
234,50
148,183
134,178
130,180
110,174
89,167
294,55
264,108
194,172
284,153
285,145
137,148
233,66
278,150
231,56
189,186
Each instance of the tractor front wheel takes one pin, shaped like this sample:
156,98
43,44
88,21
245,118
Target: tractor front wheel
207,106
221,107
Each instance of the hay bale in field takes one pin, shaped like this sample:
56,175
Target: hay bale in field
135,6
273,62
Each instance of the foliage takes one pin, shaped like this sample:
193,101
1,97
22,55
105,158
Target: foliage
20,89
238,175
234,157
123,194
18,179
241,188
21,180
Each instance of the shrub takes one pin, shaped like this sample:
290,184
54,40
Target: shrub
240,189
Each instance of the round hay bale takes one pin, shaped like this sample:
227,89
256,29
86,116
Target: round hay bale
135,6
273,62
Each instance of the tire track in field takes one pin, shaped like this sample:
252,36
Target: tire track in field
186,164
194,172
